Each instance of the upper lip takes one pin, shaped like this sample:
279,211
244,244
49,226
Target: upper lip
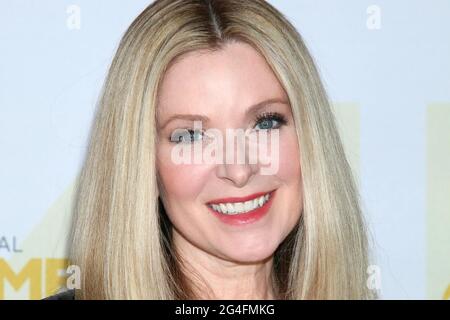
239,199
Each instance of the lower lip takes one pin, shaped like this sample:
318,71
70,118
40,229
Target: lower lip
245,218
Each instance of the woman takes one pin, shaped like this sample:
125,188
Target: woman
146,226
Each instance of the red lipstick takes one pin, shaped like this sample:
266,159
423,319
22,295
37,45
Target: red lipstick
239,199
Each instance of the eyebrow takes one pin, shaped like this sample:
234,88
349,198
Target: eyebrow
252,109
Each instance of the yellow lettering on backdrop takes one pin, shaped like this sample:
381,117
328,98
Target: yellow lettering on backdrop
447,293
31,271
55,276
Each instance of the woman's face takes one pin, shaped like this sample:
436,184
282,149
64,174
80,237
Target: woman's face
218,89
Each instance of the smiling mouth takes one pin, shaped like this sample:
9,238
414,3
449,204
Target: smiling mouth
231,207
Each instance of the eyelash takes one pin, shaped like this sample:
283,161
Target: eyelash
271,116
266,116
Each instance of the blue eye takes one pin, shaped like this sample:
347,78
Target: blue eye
268,121
186,136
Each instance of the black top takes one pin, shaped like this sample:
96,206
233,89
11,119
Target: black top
66,295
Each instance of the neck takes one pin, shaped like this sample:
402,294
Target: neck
217,278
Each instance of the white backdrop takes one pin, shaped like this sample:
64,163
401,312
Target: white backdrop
386,65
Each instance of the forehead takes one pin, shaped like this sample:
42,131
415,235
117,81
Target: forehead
213,82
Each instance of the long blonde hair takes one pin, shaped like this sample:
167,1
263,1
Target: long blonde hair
121,237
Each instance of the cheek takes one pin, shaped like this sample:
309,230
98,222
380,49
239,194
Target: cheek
289,162
290,176
181,182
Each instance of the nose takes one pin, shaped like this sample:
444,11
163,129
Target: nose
237,172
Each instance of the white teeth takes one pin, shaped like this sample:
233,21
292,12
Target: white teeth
240,207
223,208
248,205
261,201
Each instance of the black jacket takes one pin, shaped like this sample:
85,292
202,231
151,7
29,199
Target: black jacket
66,295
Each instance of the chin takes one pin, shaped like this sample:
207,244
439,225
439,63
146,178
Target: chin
249,254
